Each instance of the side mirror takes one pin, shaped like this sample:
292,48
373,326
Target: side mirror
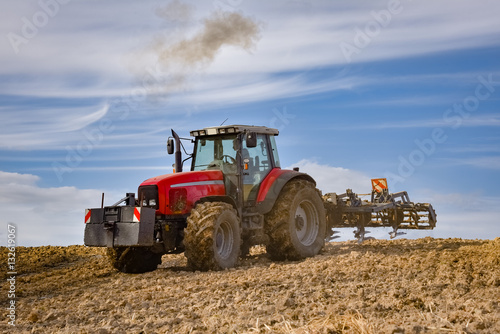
170,146
251,139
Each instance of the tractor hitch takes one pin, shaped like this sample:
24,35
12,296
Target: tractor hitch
116,226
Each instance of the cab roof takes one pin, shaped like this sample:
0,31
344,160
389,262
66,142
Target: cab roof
217,130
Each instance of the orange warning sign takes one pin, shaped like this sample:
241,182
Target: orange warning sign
379,184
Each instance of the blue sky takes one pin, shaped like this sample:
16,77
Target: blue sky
407,90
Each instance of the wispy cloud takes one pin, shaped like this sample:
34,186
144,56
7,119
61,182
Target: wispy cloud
291,41
81,122
35,127
165,169
482,148
484,162
266,88
488,120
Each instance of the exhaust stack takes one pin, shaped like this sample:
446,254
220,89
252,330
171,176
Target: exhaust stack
178,153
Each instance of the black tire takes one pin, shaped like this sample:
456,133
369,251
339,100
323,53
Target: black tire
133,260
212,237
296,225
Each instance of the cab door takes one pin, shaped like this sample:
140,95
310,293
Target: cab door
257,163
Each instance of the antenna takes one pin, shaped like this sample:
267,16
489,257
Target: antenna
224,122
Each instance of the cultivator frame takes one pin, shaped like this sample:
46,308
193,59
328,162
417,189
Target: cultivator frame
383,210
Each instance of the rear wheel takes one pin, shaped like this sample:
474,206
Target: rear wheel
133,259
297,224
212,237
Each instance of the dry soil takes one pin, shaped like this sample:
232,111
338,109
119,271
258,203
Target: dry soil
399,286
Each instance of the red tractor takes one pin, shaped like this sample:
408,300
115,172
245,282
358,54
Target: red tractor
234,196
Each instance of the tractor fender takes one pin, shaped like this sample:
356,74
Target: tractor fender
272,185
226,199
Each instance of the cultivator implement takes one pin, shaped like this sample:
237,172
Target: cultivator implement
383,210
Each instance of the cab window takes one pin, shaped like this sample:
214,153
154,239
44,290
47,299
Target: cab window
214,152
257,164
275,152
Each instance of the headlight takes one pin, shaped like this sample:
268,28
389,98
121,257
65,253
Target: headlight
148,196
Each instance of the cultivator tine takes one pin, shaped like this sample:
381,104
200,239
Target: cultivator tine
333,236
360,233
430,214
395,233
418,216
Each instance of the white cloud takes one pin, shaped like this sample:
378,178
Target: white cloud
12,179
468,225
82,37
468,215
43,216
335,179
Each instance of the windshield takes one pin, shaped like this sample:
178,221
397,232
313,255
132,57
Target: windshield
213,151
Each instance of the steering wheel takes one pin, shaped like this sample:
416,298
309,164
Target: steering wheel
233,160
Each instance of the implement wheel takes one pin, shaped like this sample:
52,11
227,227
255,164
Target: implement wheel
212,237
133,259
297,223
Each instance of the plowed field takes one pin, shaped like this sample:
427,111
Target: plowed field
400,286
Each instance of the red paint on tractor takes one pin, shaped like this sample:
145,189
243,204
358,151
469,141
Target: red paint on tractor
268,182
194,182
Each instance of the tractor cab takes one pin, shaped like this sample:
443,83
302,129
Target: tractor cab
244,154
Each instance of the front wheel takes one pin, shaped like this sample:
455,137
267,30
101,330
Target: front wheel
212,237
297,223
